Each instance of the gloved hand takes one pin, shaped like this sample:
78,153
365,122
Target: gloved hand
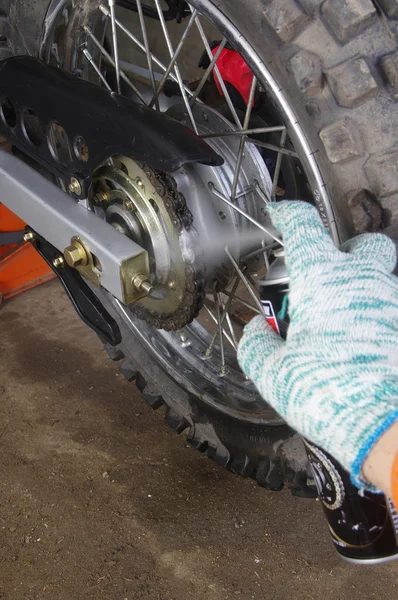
335,379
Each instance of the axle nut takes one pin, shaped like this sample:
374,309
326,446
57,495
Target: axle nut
76,255
141,283
74,186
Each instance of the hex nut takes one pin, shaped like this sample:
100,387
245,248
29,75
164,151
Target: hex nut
102,196
140,282
74,187
341,141
351,82
346,18
76,255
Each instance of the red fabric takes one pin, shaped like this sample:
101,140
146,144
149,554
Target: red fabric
234,70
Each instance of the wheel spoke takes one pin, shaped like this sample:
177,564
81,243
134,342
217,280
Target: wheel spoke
112,62
227,337
242,140
265,256
147,50
220,334
209,69
256,130
259,251
278,166
226,308
217,72
176,69
174,58
244,192
243,213
242,302
231,329
141,46
261,193
96,69
244,281
115,45
272,147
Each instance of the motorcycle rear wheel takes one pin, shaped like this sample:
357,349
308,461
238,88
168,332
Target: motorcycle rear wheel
332,75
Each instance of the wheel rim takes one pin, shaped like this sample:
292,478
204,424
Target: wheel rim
183,353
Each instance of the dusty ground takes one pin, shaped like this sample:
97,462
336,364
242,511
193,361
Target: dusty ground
98,499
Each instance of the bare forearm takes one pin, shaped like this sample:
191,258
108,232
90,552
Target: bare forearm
378,465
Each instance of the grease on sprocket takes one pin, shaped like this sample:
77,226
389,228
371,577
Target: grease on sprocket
194,292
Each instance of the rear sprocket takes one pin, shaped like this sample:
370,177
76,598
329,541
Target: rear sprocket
145,205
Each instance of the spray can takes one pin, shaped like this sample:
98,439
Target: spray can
274,289
363,525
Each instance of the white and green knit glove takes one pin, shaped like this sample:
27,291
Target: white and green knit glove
335,378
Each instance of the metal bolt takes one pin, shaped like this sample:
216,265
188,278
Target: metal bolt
172,285
223,371
76,255
128,205
141,283
58,262
74,187
184,339
101,196
139,183
28,237
146,287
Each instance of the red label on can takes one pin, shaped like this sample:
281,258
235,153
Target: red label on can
270,315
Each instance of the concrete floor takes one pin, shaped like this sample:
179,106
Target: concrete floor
99,499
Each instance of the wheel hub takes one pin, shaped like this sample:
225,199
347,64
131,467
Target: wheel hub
185,243
146,206
217,223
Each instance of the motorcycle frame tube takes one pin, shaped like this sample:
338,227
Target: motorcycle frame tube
58,218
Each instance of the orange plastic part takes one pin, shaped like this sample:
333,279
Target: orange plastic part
21,267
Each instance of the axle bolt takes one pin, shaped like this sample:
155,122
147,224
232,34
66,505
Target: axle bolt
76,255
74,187
28,237
101,196
146,286
58,262
141,283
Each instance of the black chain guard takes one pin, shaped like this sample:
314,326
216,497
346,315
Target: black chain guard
34,95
